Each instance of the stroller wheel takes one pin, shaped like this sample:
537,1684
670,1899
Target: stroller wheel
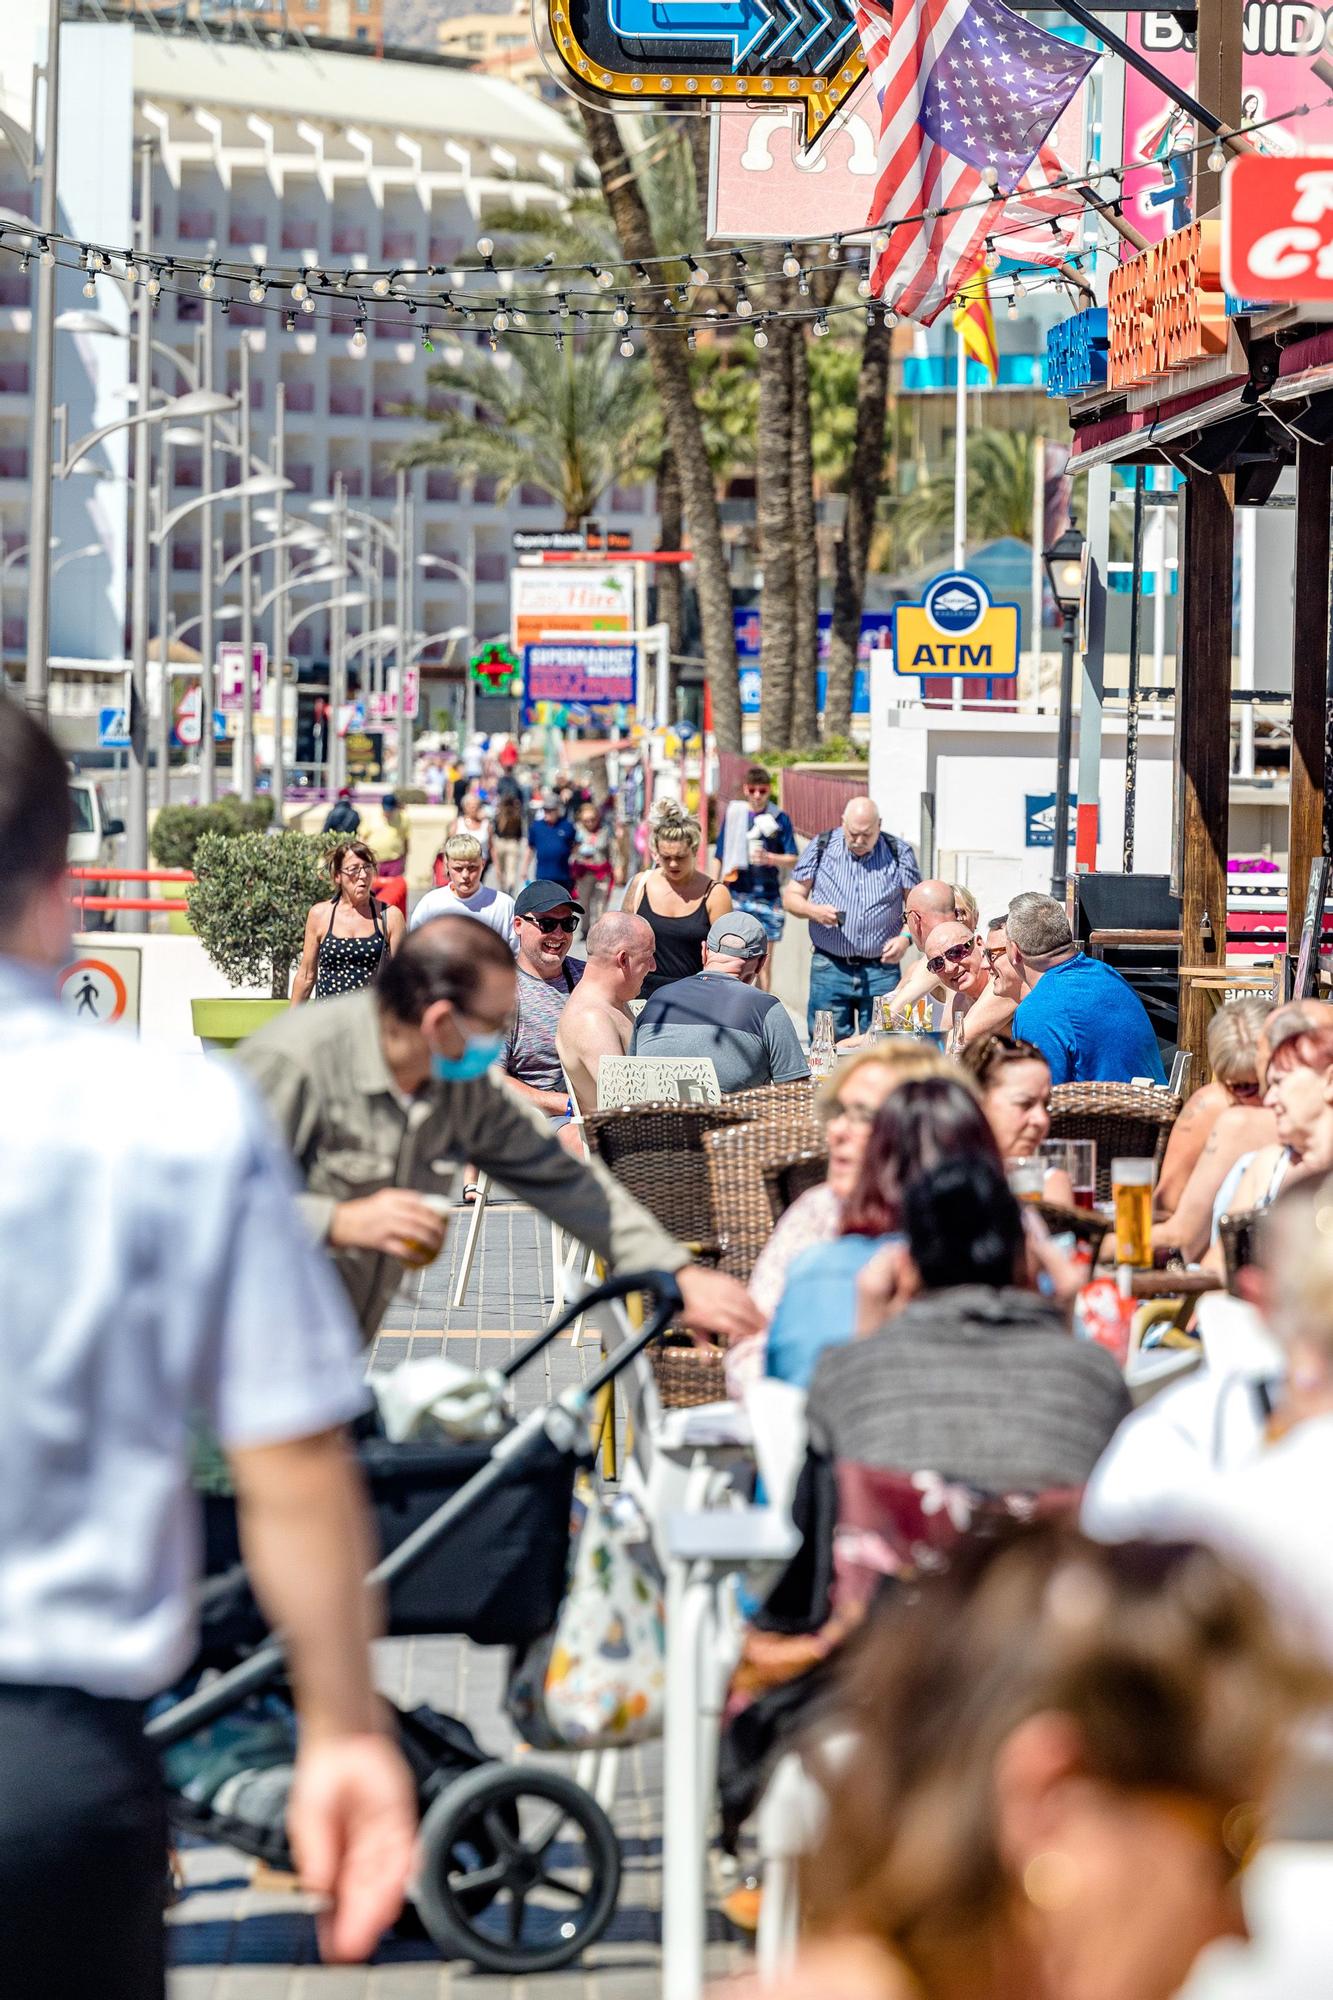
520,1869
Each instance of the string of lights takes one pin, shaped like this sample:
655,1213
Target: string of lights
164,275
401,281
361,295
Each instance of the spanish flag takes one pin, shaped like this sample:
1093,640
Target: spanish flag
974,320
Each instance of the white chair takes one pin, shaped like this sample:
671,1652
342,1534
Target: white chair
558,1251
625,1080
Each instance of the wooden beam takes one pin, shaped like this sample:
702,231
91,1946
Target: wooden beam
1203,711
1217,55
1311,766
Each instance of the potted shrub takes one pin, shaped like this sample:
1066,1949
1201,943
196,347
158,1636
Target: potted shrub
249,908
176,833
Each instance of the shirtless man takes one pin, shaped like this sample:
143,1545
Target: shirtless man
596,1020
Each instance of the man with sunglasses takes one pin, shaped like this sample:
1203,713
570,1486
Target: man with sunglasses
546,919
954,957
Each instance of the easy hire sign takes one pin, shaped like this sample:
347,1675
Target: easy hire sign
956,629
1277,228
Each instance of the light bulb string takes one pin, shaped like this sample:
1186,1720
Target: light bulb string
246,274
427,327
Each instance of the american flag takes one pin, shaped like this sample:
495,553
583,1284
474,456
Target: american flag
968,92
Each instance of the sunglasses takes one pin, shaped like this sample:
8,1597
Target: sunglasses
549,925
953,956
992,953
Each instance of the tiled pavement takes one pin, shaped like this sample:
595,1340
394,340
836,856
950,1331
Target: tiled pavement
230,1941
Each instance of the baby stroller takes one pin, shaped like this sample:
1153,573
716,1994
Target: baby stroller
519,1866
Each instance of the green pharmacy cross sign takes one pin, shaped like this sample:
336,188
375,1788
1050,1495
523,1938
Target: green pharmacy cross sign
495,668
724,52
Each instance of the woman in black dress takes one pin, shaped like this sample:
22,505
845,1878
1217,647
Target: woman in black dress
347,937
675,896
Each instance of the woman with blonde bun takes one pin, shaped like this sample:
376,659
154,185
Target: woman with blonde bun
675,896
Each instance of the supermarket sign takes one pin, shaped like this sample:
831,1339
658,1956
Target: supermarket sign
581,672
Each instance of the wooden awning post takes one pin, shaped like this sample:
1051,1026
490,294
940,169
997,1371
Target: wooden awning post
1203,720
1310,819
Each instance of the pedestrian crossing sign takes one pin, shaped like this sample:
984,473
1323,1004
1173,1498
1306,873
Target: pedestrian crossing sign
955,629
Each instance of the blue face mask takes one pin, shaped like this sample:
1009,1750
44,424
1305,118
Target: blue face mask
479,1052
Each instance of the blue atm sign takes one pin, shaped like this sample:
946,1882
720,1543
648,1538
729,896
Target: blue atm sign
956,629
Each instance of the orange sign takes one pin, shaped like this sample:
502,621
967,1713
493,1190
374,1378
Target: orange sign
1167,307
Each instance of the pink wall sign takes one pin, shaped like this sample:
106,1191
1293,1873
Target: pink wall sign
1282,40
762,184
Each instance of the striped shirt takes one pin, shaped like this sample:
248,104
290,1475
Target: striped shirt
870,888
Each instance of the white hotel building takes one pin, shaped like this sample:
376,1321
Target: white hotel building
272,153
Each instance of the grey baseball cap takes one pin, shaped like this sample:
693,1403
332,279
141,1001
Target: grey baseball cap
738,935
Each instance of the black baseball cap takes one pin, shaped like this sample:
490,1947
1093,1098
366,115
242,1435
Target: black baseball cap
539,897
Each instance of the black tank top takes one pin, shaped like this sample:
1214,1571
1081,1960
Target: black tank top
677,942
346,963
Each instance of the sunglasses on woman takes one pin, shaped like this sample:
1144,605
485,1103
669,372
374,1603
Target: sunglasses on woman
548,925
953,956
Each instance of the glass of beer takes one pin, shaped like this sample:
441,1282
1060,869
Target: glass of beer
421,1253
1027,1178
1077,1160
1131,1189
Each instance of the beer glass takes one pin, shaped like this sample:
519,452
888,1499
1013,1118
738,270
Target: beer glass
1077,1160
1027,1179
1131,1189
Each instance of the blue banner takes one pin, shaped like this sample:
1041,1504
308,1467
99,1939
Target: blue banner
876,631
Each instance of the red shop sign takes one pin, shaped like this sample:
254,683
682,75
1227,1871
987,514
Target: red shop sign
1277,228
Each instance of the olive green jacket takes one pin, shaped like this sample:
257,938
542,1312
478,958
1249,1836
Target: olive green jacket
352,1132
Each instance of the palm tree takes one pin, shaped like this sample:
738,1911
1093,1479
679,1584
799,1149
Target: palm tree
574,419
999,496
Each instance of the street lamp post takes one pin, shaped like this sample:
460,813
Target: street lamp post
336,759
37,675
163,618
247,732
278,779
1064,570
208,761
136,796
468,580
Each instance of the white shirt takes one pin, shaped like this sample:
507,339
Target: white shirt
489,906
156,1270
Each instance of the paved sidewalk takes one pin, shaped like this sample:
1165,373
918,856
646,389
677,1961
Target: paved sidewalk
232,1942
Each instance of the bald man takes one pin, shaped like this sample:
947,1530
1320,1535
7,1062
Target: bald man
595,1020
850,885
953,956
931,902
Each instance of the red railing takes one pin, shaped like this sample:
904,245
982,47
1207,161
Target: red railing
815,803
164,905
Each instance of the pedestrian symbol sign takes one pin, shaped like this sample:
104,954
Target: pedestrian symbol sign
956,629
113,729
103,990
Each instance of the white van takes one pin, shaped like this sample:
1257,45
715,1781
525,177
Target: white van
92,842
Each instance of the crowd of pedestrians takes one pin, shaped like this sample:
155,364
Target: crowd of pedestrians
1045,1655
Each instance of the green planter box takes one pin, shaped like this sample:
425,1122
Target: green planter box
220,1024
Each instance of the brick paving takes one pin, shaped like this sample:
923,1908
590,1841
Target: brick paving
232,1941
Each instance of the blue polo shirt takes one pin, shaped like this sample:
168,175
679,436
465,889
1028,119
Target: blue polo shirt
763,883
1090,1025
551,848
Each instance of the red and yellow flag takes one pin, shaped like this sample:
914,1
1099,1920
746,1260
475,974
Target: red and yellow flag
974,320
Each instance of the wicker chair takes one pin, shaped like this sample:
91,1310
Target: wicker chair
657,1152
1127,1120
785,1181
738,1158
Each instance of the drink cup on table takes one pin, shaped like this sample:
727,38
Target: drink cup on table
1131,1189
1082,1168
